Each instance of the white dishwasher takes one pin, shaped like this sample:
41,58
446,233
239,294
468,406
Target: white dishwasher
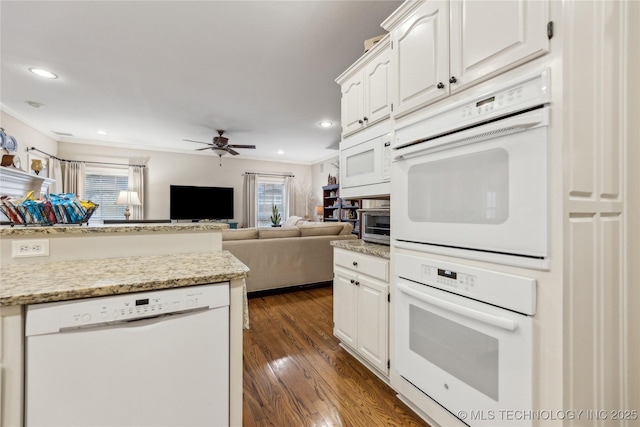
158,358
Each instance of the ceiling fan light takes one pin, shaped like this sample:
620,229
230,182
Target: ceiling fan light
220,152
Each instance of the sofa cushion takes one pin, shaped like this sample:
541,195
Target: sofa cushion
320,229
291,221
240,234
278,232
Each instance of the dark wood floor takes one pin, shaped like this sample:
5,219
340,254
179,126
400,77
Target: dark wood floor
296,374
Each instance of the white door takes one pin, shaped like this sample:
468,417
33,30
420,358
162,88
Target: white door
421,49
377,100
352,104
345,315
489,37
373,321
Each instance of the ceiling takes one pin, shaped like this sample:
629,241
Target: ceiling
153,73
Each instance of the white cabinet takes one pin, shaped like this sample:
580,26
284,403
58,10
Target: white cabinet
365,97
11,366
361,306
442,47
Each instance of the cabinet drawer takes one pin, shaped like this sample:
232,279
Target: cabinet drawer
361,263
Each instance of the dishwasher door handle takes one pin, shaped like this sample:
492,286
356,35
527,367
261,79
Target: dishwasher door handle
136,322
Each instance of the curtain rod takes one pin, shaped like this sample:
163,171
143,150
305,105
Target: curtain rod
81,161
271,174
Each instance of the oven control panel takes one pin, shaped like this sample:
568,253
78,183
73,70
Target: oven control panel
449,279
504,290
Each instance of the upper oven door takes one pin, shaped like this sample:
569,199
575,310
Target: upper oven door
483,188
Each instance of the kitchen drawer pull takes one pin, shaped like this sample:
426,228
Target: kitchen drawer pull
501,322
440,85
355,264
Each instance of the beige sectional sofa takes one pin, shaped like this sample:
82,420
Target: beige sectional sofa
281,257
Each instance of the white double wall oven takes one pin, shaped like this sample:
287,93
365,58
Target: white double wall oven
469,182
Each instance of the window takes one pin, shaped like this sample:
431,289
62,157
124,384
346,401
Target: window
102,187
270,191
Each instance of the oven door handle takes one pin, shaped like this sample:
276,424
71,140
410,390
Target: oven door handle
498,321
519,123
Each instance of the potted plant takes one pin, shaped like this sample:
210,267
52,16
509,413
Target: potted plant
275,216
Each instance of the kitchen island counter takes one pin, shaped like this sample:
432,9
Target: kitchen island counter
66,280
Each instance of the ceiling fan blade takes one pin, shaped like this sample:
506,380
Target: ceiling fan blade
205,148
241,146
199,142
235,153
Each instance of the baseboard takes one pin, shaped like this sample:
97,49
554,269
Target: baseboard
295,288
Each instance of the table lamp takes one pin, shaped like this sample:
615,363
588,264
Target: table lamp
128,198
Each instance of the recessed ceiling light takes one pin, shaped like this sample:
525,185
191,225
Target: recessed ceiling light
43,73
102,132
325,124
280,152
35,104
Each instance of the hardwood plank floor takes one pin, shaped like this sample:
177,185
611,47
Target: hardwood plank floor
296,374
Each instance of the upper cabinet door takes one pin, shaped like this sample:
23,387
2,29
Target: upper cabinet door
421,54
351,104
490,37
377,100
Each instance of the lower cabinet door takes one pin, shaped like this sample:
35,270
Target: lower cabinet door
373,315
345,316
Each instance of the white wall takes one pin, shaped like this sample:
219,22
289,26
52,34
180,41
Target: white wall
164,169
26,136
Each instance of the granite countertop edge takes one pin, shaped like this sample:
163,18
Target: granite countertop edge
69,280
361,246
21,230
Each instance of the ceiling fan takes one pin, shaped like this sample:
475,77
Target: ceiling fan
220,145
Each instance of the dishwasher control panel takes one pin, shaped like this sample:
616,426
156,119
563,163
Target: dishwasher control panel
92,312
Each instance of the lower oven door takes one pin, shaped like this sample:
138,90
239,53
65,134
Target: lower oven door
472,358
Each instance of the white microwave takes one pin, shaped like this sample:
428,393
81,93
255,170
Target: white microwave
365,163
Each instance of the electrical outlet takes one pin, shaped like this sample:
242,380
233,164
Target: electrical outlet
30,248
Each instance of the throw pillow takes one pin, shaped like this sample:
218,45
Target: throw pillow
291,221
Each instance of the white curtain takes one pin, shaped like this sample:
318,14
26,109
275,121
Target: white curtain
74,178
136,183
55,172
290,195
249,208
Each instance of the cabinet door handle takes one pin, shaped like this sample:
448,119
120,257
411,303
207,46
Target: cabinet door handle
440,85
360,121
357,283
353,281
355,264
366,119
453,79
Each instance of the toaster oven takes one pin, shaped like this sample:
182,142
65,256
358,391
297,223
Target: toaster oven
375,225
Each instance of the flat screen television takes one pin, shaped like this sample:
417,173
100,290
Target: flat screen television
187,202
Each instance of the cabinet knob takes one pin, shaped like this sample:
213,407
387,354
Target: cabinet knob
453,79
440,85
353,281
366,119
357,283
360,121
355,264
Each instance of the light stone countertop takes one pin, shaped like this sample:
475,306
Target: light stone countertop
67,280
22,230
361,246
